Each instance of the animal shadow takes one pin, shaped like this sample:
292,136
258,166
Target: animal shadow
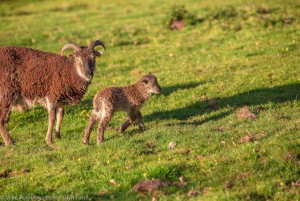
171,89
256,97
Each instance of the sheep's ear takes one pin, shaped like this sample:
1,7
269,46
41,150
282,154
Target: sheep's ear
150,73
98,53
145,81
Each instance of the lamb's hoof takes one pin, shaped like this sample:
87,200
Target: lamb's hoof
99,142
85,142
9,143
120,130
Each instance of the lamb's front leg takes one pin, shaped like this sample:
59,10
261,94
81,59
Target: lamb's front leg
51,118
59,118
131,118
140,121
125,125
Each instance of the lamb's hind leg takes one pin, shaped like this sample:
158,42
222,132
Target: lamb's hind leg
93,119
59,118
106,116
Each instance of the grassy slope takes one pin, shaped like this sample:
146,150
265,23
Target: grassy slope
251,60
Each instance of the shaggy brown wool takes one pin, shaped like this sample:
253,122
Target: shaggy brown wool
51,76
29,76
128,98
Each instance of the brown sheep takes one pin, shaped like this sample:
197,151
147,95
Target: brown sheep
130,99
29,76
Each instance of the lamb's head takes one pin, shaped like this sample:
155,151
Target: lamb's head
85,58
150,84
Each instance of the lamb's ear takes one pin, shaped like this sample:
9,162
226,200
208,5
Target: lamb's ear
145,81
98,53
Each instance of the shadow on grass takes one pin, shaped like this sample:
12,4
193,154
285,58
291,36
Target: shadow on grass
171,89
257,97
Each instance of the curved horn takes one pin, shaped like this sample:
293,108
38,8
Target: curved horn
69,45
95,43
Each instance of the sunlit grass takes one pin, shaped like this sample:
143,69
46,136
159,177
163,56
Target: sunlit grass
237,55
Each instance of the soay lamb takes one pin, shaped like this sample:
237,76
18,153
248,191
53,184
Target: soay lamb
130,99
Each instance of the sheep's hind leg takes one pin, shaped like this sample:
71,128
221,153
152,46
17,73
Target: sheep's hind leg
51,117
59,118
89,127
5,134
102,125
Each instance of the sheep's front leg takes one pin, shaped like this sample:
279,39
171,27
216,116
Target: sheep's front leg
140,121
51,117
59,118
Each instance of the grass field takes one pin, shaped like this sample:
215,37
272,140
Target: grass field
230,55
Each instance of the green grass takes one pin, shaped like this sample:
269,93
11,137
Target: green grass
233,54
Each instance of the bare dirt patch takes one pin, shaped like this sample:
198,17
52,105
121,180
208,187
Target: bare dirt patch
177,24
247,138
192,193
245,113
5,173
229,184
243,175
148,186
184,151
199,157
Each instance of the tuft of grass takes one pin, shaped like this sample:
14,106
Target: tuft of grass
179,13
166,172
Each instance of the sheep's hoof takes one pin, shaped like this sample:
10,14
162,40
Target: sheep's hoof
99,142
85,142
57,135
142,128
49,142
